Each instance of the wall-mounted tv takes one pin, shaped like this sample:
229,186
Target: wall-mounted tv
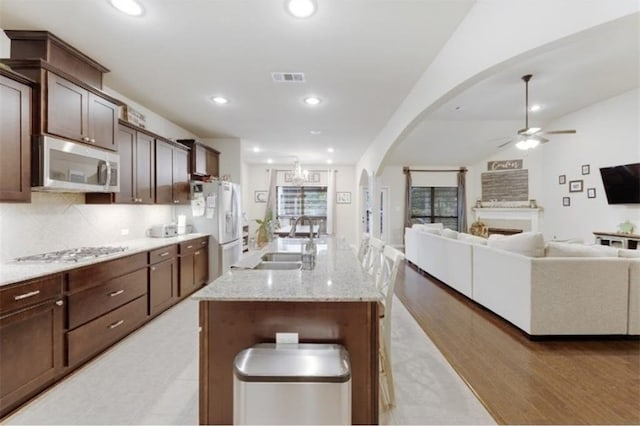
622,183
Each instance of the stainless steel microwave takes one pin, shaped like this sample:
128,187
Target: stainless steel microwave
63,166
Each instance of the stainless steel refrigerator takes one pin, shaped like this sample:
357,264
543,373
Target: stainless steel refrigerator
216,209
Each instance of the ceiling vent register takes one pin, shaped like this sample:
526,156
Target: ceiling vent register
288,77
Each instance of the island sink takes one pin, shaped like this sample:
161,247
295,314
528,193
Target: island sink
282,257
279,265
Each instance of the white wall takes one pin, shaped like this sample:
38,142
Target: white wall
230,156
607,135
257,180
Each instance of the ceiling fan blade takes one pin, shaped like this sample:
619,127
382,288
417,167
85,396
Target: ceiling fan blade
559,132
529,131
506,143
541,139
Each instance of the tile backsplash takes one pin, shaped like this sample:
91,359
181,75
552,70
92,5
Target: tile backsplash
57,221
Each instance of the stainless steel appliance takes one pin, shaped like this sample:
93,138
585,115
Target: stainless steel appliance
216,209
72,255
65,166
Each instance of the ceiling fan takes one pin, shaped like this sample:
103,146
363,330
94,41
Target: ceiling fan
530,137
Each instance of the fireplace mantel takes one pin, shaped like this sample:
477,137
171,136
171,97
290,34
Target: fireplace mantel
511,213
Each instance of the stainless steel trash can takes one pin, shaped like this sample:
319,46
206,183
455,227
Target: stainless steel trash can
292,384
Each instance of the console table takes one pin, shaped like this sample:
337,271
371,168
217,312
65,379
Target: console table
616,239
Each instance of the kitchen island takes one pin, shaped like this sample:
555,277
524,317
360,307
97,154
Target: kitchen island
336,302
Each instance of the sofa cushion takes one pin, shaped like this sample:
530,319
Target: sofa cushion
468,238
450,233
526,243
629,254
556,249
424,226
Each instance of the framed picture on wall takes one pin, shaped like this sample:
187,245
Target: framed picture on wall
586,169
343,198
562,179
591,193
260,196
566,201
575,186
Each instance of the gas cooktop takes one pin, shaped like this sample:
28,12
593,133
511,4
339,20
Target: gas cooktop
72,255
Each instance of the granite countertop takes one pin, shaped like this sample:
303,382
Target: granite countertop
13,272
337,277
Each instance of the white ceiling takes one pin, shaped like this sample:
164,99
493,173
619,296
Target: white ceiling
597,65
362,57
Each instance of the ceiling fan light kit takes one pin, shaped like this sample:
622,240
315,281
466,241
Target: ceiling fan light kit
530,137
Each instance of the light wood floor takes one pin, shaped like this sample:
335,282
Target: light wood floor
520,381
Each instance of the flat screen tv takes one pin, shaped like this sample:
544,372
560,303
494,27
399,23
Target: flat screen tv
622,183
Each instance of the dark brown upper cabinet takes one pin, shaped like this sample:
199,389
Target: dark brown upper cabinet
203,160
172,177
137,170
75,113
15,137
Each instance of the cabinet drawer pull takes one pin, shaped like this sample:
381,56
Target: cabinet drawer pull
153,268
93,141
26,295
197,253
115,293
59,302
116,324
86,139
166,253
189,247
203,243
176,201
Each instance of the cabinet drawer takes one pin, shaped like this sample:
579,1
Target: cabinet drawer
193,245
162,254
30,293
95,301
100,333
93,275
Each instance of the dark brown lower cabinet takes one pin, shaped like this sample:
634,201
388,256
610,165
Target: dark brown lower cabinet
97,335
31,352
194,265
163,279
47,331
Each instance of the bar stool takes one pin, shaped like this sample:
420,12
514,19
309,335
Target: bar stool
373,258
364,246
386,282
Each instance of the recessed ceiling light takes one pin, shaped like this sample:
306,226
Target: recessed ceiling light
130,7
269,160
300,8
312,100
329,149
329,161
220,100
315,132
534,108
256,149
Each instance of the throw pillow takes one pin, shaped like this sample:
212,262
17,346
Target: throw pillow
432,231
450,233
526,243
468,238
555,249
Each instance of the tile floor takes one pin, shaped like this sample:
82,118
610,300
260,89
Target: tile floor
151,377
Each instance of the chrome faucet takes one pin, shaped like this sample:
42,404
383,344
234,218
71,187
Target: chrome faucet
309,250
292,233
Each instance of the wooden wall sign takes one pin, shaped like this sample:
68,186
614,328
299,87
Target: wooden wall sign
504,165
511,185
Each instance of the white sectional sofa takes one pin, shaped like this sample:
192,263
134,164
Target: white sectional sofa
540,295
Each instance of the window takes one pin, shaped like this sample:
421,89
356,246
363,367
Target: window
432,204
294,201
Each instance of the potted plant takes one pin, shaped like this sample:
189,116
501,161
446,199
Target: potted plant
263,233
